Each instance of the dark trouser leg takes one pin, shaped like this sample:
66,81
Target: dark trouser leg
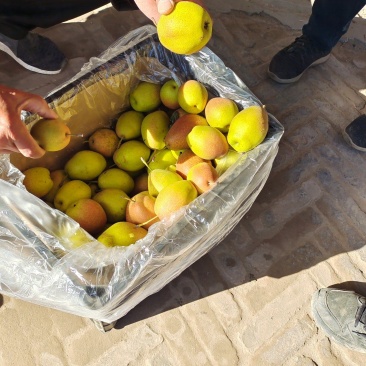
17,18
330,19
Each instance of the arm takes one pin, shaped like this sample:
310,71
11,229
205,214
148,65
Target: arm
153,9
14,135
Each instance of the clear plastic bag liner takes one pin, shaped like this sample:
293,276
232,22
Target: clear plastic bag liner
47,259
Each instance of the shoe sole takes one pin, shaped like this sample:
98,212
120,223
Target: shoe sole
320,324
7,50
289,81
350,142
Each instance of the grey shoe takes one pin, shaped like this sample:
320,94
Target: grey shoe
35,53
355,133
342,316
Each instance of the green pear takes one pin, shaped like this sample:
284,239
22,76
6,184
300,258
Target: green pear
131,155
104,141
38,181
145,97
224,163
176,138
169,94
162,159
85,165
114,202
116,178
140,210
71,192
89,214
173,197
51,134
128,126
122,234
154,128
219,113
207,142
59,177
248,128
203,176
159,179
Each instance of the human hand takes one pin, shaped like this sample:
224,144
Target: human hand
153,9
14,135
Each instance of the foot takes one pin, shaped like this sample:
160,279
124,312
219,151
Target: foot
355,133
288,65
35,53
342,316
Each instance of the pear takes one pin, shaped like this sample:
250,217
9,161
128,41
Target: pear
176,138
224,163
51,134
104,141
169,94
114,202
59,177
71,192
145,97
140,210
89,214
207,142
219,113
186,160
192,96
159,179
141,183
38,181
162,159
154,128
248,128
130,156
116,178
128,126
122,234
173,197
203,176
85,165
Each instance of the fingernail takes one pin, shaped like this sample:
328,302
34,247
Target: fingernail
165,6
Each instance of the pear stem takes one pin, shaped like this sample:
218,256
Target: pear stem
76,135
145,163
146,222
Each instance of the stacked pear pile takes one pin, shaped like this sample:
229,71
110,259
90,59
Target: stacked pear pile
168,148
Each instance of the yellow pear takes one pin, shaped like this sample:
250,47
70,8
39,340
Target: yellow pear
104,141
159,179
207,142
51,134
145,97
122,234
169,94
176,138
248,128
154,128
85,165
219,113
173,197
140,210
130,155
70,192
59,177
186,30
114,202
116,178
225,162
128,126
89,214
38,181
203,176
186,161
162,159
192,96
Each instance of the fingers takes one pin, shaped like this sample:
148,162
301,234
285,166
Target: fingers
38,105
165,6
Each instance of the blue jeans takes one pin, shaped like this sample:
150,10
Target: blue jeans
330,19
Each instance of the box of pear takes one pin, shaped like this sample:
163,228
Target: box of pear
154,159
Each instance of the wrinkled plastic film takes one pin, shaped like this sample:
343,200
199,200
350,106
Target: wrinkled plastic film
47,259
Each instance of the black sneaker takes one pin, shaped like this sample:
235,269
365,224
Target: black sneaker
355,133
288,65
35,53
342,316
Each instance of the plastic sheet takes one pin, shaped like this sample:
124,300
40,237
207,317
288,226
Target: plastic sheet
47,259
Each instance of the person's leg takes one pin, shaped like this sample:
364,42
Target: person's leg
329,20
342,316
